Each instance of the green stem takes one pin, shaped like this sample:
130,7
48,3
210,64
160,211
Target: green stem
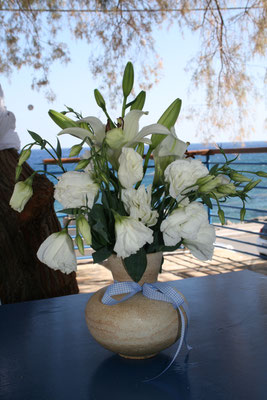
123,107
47,173
57,159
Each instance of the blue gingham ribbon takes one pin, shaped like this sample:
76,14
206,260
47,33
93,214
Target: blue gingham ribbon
160,291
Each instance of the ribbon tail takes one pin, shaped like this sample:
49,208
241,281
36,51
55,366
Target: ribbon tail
183,330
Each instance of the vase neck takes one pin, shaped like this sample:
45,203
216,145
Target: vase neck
119,273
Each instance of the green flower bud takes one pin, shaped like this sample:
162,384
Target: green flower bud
139,101
75,150
221,216
62,120
79,243
237,177
84,228
261,173
18,172
209,185
242,214
82,164
170,116
25,154
128,79
99,99
229,188
216,195
251,185
204,180
168,120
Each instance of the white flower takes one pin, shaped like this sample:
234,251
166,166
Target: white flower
183,223
183,173
172,146
118,137
57,252
130,167
76,189
129,135
138,204
202,248
21,195
131,235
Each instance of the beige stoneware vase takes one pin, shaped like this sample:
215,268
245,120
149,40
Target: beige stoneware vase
138,327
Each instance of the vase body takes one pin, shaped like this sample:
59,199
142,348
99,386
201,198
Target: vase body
138,327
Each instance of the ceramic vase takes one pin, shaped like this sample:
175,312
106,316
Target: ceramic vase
138,327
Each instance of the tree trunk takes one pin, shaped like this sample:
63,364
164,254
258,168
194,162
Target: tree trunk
22,276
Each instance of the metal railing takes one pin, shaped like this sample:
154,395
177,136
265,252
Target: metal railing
207,156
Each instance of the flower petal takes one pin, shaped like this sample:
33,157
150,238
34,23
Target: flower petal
153,129
131,124
77,132
97,126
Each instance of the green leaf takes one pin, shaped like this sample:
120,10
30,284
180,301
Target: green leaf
100,224
128,79
171,248
36,137
139,101
136,264
71,211
156,195
101,254
213,169
59,151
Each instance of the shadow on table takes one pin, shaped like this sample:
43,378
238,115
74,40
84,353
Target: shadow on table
124,379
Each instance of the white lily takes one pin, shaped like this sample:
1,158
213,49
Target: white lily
79,133
172,146
129,134
57,252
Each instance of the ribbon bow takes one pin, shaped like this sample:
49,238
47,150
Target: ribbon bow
156,291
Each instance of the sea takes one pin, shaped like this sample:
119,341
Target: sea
256,203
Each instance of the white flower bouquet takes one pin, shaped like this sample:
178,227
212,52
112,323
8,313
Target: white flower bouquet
115,212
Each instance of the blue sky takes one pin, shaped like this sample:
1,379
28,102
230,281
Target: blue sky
74,85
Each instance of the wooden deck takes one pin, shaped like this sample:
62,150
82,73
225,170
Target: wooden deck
178,265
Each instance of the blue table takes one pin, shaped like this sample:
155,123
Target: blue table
47,353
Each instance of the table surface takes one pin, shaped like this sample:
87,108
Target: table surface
47,353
